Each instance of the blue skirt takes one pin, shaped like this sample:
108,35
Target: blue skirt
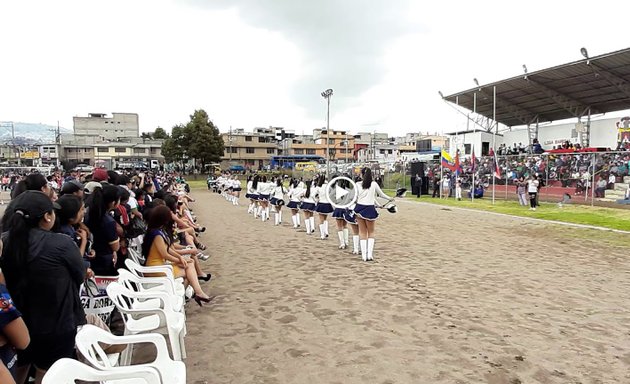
367,212
248,195
275,201
237,189
349,216
293,205
310,207
338,213
324,208
253,196
263,197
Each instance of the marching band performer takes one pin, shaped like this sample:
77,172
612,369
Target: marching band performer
277,200
295,194
366,215
308,207
324,208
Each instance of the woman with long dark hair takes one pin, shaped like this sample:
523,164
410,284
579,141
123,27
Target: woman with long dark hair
103,198
264,188
339,214
308,207
277,200
70,222
255,195
323,208
43,272
366,214
295,195
158,250
32,182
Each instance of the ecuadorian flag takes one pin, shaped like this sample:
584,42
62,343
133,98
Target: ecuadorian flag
447,160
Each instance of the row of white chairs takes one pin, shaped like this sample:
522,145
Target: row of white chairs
152,309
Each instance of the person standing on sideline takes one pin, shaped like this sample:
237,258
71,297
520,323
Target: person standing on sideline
532,189
436,187
418,185
521,191
458,188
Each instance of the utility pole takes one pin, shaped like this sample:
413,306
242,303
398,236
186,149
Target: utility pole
327,94
230,140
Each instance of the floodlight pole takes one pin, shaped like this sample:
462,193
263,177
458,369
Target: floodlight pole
327,94
494,137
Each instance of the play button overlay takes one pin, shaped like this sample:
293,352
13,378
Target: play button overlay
342,192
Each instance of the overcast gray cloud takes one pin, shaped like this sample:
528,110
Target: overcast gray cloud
342,42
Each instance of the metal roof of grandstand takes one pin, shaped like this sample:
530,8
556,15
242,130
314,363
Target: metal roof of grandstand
601,83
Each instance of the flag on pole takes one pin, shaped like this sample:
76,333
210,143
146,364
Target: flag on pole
497,170
447,160
474,161
457,168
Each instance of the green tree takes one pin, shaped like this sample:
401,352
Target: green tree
159,134
172,148
146,135
203,140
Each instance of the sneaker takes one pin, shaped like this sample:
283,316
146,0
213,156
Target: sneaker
202,257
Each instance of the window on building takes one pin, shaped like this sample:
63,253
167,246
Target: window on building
139,150
382,151
120,150
467,149
310,151
231,149
262,139
331,151
389,151
331,141
249,149
102,149
154,151
271,150
299,151
248,138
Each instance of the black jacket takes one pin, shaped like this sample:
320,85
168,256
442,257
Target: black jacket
47,292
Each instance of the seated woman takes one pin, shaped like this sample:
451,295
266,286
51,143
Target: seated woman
185,231
102,200
158,250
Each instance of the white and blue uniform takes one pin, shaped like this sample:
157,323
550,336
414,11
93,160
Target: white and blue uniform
323,206
366,201
264,190
277,197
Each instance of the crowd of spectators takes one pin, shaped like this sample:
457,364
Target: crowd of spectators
60,230
569,170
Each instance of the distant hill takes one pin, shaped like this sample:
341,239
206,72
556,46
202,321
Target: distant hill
29,133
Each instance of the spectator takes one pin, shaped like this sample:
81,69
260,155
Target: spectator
103,198
532,190
43,271
158,250
72,187
521,191
32,182
611,181
600,187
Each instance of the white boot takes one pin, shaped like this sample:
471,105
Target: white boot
279,217
298,220
342,245
312,220
307,222
326,228
276,221
363,249
355,244
249,208
370,249
294,220
345,238
321,232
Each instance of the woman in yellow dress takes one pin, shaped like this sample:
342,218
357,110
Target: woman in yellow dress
158,250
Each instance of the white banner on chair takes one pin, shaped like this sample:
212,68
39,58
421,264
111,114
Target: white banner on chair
99,304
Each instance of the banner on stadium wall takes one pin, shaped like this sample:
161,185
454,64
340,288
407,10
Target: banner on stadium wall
98,303
623,135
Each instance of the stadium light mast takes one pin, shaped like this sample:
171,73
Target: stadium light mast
327,94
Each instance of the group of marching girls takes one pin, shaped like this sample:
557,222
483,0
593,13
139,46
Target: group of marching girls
230,187
310,198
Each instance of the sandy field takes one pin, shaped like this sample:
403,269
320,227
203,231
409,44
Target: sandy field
452,297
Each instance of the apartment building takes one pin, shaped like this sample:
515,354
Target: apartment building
116,126
250,150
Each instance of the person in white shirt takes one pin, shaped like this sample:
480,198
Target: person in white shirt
251,195
265,194
342,225
308,207
532,190
295,195
236,190
324,208
458,188
256,184
366,214
277,200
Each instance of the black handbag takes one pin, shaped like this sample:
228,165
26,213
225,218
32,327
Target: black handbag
137,227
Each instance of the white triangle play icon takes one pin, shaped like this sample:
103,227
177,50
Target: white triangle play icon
340,192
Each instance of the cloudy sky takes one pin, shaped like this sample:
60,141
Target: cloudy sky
255,63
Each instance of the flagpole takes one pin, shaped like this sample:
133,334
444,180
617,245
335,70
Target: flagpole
494,137
441,176
472,189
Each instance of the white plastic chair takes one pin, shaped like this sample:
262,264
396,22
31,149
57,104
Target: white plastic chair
66,371
88,341
158,286
140,270
159,319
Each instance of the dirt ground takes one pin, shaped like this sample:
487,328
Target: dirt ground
452,297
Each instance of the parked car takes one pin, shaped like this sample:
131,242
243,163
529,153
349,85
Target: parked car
84,168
